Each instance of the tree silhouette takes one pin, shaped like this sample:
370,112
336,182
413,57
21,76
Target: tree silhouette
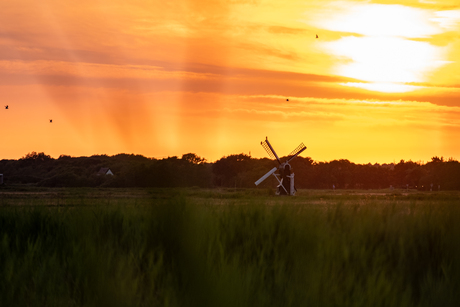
193,158
236,170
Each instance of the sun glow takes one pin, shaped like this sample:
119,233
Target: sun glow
386,59
381,50
383,20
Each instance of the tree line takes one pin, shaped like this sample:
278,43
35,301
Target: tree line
236,170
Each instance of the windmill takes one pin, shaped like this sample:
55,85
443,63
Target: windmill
285,177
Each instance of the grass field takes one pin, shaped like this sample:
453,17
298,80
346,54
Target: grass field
234,247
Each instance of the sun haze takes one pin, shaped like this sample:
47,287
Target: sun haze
373,81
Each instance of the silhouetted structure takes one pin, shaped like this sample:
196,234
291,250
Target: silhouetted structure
286,184
105,171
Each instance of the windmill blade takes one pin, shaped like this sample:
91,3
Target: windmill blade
281,185
296,152
269,149
266,176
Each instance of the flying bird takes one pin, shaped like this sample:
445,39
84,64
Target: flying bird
287,99
51,121
316,35
6,107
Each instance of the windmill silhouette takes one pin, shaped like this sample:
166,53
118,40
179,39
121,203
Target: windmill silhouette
286,183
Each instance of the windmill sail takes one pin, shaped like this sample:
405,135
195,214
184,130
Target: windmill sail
269,149
266,176
296,152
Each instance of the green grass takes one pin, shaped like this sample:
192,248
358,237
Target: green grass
194,247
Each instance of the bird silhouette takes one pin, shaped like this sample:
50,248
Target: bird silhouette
316,35
51,121
6,107
287,99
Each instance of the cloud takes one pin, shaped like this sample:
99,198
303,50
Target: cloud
372,19
351,111
448,20
286,30
96,70
283,115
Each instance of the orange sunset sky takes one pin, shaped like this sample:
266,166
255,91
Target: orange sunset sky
163,78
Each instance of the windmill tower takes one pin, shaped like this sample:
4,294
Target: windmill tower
284,176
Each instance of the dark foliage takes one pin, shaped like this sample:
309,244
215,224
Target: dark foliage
237,171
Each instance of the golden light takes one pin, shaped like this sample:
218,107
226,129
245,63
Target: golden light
386,59
381,49
382,20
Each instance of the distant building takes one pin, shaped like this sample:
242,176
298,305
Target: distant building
105,171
